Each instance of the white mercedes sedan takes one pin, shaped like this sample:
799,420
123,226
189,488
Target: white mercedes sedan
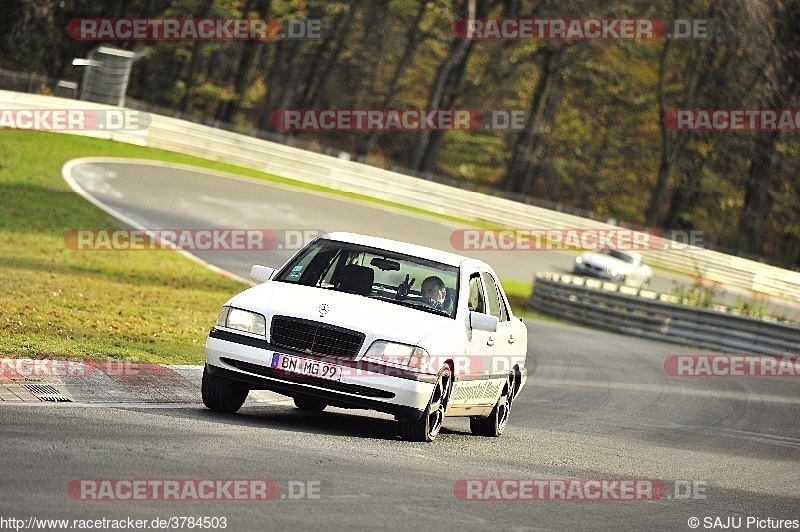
353,321
618,266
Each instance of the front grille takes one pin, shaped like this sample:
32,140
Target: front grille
315,337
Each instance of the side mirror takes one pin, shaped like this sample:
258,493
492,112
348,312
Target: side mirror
262,274
483,322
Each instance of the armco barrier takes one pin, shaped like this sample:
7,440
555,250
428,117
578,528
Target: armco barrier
249,152
571,297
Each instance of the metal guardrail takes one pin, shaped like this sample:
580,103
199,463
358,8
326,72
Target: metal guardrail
648,315
219,145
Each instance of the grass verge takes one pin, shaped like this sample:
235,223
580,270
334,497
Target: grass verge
154,306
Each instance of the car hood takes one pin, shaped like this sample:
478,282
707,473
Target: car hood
601,260
376,318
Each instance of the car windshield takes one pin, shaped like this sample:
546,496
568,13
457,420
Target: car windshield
619,255
373,273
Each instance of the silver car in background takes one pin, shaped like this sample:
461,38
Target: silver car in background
617,266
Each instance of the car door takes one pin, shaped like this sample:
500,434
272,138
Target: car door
505,339
637,275
469,388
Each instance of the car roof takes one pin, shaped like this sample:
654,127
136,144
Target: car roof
637,257
414,250
628,252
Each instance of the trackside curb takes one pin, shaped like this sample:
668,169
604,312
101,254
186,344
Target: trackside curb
54,380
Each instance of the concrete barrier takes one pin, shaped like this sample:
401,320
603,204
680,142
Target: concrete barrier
603,305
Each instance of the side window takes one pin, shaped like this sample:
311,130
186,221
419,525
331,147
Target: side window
503,307
299,272
496,304
476,298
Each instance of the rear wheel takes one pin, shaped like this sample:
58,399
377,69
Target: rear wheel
427,427
496,422
222,395
309,404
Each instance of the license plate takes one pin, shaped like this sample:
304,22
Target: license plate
306,366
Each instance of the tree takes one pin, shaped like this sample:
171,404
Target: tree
412,42
446,80
778,90
528,150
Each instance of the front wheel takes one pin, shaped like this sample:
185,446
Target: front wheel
222,395
428,426
496,422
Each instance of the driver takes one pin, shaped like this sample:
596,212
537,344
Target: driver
433,288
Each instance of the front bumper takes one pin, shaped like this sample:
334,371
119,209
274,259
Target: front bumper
368,385
587,269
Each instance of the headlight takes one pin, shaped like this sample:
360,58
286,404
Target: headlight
242,320
405,355
222,317
578,260
611,271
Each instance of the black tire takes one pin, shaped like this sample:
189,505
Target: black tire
427,427
309,404
222,395
494,425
